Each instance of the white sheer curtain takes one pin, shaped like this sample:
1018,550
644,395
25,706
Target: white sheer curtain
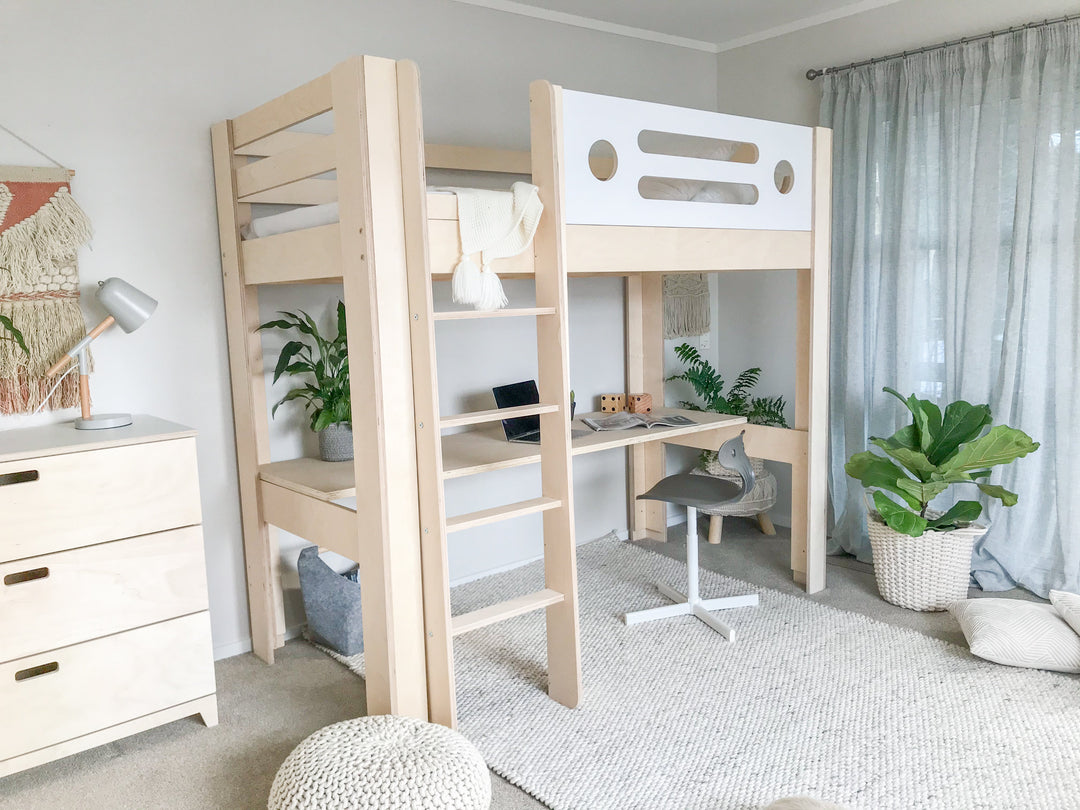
955,274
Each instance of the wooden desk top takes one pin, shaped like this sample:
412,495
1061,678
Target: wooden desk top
484,449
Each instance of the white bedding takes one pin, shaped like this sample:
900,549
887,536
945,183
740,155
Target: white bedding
657,188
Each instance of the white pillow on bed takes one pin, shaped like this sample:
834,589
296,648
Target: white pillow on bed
1018,634
306,216
1068,605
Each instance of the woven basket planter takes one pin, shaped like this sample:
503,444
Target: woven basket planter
760,499
922,573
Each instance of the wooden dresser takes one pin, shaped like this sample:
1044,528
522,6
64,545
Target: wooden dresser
104,628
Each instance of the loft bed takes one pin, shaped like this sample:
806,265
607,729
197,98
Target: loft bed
391,237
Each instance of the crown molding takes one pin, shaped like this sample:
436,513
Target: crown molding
604,26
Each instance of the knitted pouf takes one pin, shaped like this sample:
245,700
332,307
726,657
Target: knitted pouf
384,762
761,498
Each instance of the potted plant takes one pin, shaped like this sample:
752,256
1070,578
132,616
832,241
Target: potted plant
709,386
326,395
922,558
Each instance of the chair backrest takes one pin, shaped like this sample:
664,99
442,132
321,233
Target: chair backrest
732,456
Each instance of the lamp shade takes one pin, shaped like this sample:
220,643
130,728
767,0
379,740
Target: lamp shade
129,306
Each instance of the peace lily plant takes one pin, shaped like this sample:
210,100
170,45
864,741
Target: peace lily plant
936,451
326,394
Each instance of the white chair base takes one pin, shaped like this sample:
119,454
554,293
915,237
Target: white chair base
690,604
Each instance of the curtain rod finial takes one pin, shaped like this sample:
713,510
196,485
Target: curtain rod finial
813,73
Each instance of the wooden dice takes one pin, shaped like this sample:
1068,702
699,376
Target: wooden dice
640,403
612,403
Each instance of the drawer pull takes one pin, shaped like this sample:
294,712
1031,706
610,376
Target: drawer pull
26,576
34,672
23,477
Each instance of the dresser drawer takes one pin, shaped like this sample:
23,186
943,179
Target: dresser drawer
75,499
71,596
79,689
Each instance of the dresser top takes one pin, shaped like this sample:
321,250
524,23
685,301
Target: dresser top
61,437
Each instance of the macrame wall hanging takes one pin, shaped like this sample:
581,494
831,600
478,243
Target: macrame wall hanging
41,231
686,305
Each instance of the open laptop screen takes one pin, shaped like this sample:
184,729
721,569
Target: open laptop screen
523,428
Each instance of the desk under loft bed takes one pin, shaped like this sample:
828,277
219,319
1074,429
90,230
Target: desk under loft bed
392,238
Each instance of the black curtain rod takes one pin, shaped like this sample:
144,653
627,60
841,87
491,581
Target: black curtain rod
814,73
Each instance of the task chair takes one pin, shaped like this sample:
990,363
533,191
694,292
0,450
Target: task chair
696,492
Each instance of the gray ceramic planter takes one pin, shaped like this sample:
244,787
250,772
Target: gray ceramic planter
335,442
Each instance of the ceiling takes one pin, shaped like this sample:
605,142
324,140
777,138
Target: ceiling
708,25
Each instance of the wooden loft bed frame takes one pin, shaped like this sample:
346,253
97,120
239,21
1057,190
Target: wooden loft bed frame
393,238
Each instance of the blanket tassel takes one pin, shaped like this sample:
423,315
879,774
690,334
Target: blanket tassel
466,286
491,291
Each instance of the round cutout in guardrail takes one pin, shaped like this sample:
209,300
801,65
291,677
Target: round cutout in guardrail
784,177
603,161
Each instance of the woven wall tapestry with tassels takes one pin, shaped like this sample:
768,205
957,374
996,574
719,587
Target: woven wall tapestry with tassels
686,305
41,231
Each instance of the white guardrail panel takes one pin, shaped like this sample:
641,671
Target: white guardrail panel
588,118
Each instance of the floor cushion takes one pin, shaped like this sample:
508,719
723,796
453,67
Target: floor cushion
1068,605
1018,634
382,762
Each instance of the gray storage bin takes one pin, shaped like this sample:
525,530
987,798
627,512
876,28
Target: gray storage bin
332,604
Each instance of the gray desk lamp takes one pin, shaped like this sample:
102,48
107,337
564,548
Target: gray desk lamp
127,307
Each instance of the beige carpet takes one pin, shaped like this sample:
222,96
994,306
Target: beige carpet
810,700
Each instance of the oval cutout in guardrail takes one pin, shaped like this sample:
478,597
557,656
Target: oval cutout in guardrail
675,144
700,191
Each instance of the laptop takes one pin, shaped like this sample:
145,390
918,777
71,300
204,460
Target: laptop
523,428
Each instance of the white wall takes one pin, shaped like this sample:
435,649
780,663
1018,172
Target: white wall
767,80
125,93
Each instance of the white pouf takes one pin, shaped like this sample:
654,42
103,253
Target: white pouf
384,762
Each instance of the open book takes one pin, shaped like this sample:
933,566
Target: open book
625,421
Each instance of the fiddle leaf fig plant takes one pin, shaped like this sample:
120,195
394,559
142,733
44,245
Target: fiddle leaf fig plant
326,360
936,451
13,334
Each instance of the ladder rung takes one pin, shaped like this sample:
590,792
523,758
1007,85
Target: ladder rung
496,415
466,314
510,510
504,610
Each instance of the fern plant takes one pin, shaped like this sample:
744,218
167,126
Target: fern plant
327,397
708,384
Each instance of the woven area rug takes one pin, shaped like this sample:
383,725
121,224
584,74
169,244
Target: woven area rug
809,701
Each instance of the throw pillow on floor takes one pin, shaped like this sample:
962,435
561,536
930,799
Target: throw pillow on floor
1068,605
1018,634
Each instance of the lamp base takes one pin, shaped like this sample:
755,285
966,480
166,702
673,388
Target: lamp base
102,421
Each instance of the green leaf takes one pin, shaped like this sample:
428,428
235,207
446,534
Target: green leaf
923,491
911,460
926,419
341,323
1001,445
898,518
961,512
997,491
288,351
16,335
296,393
873,471
322,421
962,423
279,324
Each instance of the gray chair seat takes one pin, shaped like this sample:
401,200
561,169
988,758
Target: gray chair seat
700,492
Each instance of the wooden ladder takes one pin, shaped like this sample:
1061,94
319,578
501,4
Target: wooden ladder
559,596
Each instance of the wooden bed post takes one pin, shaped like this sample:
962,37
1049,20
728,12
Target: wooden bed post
372,228
645,372
552,339
442,702
252,431
810,475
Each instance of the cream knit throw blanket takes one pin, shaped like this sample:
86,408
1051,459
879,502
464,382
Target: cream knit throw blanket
496,224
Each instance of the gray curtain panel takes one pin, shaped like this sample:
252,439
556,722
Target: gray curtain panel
955,275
